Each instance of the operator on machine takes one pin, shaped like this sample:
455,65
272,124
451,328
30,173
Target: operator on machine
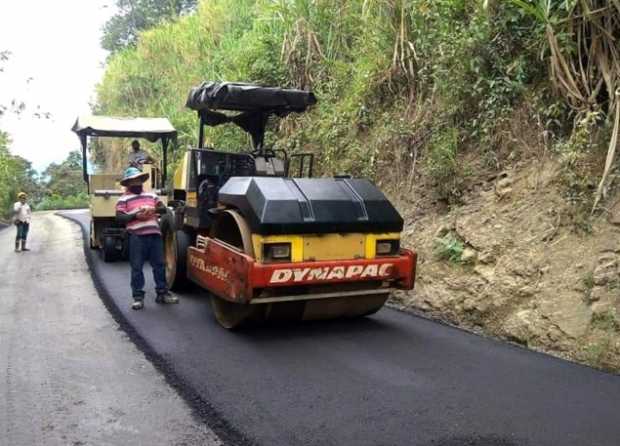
138,211
137,157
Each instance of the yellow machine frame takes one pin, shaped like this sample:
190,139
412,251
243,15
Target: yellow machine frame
105,190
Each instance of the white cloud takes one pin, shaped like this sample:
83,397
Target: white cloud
56,43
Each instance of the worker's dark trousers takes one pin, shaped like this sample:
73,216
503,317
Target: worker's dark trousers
22,230
142,248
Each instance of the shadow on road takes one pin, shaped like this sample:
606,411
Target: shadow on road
317,330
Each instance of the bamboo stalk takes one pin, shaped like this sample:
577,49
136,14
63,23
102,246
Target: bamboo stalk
611,156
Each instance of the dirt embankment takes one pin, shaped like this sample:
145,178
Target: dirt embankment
513,263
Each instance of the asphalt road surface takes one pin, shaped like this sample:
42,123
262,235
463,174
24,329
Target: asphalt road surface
390,379
68,376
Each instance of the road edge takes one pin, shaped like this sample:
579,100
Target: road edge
201,409
417,313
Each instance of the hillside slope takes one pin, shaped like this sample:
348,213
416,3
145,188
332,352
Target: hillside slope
511,262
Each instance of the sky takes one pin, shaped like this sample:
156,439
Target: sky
54,66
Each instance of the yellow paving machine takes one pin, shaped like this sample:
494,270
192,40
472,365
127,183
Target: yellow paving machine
104,188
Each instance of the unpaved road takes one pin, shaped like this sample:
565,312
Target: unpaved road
391,379
68,376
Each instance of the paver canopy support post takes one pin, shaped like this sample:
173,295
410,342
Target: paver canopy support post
164,164
84,141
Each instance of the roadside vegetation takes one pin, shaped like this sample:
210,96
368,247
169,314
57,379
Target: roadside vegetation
16,175
57,202
60,186
121,30
449,247
401,84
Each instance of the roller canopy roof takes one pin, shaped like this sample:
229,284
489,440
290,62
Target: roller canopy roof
148,128
248,98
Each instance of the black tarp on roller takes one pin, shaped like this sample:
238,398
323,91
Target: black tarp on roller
245,97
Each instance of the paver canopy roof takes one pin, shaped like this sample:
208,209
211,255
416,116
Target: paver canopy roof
148,128
246,97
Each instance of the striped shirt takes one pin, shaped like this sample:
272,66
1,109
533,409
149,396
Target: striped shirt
131,204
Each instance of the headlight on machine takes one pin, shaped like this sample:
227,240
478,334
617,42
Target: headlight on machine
277,252
387,247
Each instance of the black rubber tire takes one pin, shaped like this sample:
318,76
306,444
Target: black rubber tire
183,241
109,249
176,244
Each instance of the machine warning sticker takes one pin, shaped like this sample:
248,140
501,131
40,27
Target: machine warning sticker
372,271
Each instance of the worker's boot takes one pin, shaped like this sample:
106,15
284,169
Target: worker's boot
166,298
16,245
24,246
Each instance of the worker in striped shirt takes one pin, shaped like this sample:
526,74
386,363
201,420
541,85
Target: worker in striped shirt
138,211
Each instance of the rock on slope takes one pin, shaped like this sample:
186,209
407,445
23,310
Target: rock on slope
524,273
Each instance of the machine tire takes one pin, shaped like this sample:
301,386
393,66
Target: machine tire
176,244
109,249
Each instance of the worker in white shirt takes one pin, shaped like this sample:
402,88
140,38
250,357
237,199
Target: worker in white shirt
21,217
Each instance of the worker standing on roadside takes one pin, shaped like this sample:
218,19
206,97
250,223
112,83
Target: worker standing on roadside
21,217
138,211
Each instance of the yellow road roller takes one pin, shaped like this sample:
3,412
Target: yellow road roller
267,241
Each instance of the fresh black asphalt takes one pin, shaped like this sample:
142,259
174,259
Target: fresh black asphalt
390,379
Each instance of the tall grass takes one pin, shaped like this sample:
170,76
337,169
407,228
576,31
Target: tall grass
389,75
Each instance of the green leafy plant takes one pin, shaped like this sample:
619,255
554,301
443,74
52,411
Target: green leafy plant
449,247
597,353
16,175
134,16
588,281
57,202
442,162
606,321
